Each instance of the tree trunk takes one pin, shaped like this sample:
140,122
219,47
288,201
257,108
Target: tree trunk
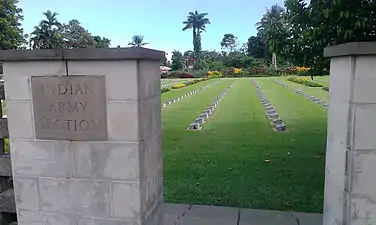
274,60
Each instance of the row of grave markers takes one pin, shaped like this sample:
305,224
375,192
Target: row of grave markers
174,82
203,117
188,94
311,98
271,112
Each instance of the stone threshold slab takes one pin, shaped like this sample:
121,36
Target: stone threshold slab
182,214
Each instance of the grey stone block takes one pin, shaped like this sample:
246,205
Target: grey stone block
281,127
170,219
208,111
7,202
26,193
210,215
66,196
273,115
265,217
271,111
269,108
194,126
175,209
200,120
80,220
40,158
277,121
28,217
105,161
204,115
308,218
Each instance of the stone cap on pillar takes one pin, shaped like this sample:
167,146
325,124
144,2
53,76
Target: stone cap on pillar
81,54
351,49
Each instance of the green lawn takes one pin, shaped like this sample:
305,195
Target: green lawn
324,80
224,163
174,93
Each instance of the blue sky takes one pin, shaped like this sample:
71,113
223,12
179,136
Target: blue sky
159,21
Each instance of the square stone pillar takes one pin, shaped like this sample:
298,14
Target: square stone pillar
85,135
350,180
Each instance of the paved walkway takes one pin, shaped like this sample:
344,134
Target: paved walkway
179,214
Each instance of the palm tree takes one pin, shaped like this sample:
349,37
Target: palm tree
46,34
270,28
51,20
137,41
197,22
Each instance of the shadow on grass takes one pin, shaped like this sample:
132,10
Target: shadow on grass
257,168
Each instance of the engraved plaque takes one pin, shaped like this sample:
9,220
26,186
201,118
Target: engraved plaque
69,107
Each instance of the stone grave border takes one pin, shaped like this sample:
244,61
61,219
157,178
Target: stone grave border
165,104
203,117
323,104
271,113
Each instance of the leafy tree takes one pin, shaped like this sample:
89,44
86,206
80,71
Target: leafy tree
189,58
256,47
326,22
102,42
137,41
76,36
177,59
197,22
164,61
11,33
48,33
229,41
271,29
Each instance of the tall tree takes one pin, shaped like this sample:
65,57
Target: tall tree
11,33
229,41
177,60
189,58
76,36
48,33
326,22
137,41
271,29
197,22
256,47
102,42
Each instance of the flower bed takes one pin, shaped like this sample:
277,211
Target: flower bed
177,86
260,71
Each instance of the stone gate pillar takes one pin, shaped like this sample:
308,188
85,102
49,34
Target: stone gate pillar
350,181
85,135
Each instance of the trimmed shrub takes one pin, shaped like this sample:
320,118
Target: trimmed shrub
313,84
325,88
304,80
180,74
163,90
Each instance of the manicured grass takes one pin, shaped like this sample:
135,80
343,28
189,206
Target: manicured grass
174,93
324,80
224,163
315,91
